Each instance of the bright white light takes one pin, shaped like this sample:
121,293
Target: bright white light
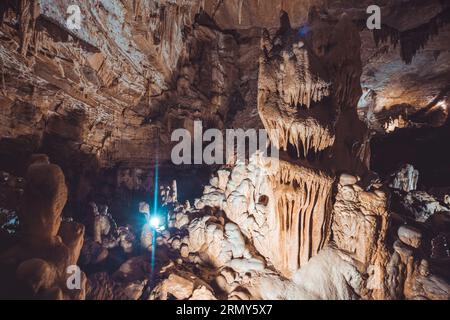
154,222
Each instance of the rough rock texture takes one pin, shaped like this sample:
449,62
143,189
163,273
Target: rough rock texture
110,94
406,179
295,79
282,209
103,100
360,215
178,287
410,236
423,205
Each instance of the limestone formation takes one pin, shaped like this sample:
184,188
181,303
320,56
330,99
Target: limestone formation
102,224
410,236
423,205
38,265
406,179
359,215
291,77
287,231
147,237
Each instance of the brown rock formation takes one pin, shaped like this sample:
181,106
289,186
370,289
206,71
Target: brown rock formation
37,266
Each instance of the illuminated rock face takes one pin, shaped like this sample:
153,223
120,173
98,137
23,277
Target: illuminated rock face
405,179
307,92
359,215
346,257
300,104
283,209
302,215
291,85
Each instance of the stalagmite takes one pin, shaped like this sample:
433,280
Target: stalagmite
37,264
174,191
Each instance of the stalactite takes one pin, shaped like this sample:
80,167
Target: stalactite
24,25
299,86
4,91
412,40
241,2
306,135
202,6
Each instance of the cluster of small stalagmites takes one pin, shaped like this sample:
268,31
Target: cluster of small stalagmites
220,254
104,235
37,266
421,241
269,199
420,204
360,213
251,196
109,243
200,246
210,239
233,256
410,276
216,248
219,231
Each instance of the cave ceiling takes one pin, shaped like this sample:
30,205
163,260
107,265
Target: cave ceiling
115,89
